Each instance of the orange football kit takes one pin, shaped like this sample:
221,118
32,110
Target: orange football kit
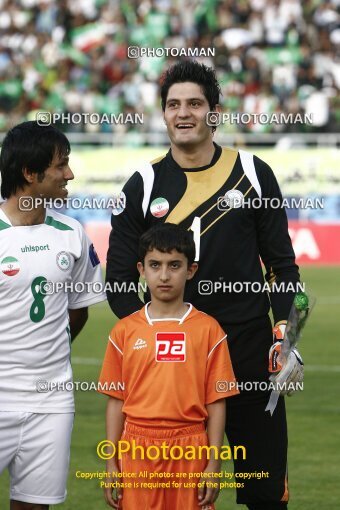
170,369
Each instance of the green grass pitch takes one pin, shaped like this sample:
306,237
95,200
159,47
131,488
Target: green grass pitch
313,415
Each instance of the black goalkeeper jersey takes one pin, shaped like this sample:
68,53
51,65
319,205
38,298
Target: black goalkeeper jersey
233,235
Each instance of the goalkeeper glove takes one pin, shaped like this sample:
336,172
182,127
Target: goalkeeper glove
275,364
292,370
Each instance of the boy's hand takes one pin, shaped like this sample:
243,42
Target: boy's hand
109,491
209,493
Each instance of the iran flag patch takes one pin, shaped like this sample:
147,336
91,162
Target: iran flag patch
159,207
10,266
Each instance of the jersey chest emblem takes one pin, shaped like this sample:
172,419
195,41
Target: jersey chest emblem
170,347
233,198
63,260
139,344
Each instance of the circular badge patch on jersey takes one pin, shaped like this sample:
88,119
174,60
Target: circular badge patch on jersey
63,260
234,198
10,266
119,203
159,207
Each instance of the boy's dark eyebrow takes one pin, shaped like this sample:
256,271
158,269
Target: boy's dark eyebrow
169,261
189,99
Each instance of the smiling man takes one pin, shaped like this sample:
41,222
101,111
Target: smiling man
204,187
185,112
38,248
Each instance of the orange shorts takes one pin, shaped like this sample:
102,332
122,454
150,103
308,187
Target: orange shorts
177,493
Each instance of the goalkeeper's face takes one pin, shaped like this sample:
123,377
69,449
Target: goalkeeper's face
185,116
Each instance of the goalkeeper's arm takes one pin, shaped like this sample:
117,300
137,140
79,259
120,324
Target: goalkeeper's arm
122,257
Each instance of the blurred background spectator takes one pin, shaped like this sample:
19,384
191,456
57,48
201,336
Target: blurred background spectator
271,56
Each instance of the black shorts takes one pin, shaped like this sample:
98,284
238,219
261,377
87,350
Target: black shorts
247,424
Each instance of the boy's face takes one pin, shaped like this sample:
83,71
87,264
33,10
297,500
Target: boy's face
185,113
166,274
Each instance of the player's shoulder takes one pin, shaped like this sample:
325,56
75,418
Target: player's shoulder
257,171
205,319
126,324
146,169
248,159
156,163
61,221
4,223
229,151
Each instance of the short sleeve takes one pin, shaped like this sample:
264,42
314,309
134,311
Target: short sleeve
220,380
86,272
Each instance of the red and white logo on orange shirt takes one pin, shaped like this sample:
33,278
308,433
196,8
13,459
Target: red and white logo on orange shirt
170,346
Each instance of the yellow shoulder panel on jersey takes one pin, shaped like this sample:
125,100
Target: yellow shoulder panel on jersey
203,185
156,160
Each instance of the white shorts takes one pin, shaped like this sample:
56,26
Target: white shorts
36,450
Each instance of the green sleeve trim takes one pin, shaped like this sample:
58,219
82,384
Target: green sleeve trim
4,225
57,224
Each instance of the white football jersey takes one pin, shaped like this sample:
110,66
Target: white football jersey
35,368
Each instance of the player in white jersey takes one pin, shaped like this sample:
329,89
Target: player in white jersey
39,249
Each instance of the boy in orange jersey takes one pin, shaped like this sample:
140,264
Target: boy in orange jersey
174,363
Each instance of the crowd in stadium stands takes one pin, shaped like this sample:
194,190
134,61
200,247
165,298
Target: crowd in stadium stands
71,56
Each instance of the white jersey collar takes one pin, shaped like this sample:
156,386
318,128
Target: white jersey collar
180,321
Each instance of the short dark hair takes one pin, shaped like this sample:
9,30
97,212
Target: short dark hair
32,146
193,71
166,237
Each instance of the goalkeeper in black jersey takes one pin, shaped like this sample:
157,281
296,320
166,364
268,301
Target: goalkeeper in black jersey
224,197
